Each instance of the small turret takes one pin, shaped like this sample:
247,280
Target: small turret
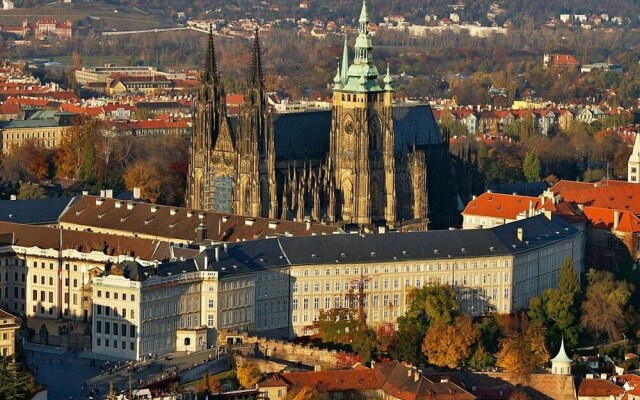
387,81
337,80
561,364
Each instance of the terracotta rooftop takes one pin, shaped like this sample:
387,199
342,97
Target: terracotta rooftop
619,197
177,223
599,388
500,205
85,242
563,185
394,378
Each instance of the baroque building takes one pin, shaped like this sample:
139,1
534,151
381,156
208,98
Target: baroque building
367,162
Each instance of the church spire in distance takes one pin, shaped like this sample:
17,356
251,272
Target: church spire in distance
345,60
210,72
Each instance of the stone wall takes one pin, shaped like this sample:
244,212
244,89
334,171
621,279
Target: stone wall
308,355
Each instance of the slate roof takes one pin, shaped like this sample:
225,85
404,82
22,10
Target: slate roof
246,257
41,211
302,135
306,135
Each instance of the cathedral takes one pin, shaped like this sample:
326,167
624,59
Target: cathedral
366,163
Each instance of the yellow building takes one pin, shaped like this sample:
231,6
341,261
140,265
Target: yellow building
47,130
9,324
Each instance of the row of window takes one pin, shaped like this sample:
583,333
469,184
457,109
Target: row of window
116,295
107,311
112,329
107,342
399,269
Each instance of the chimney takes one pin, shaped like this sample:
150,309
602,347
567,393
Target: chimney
416,376
520,234
217,253
409,372
108,193
308,224
136,192
201,233
206,261
616,219
14,197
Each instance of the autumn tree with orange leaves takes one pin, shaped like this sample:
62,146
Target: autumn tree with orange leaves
447,345
145,176
523,350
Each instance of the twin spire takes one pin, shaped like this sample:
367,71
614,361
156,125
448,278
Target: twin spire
210,72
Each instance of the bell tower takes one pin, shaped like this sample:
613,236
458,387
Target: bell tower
361,138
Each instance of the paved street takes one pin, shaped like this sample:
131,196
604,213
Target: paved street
65,374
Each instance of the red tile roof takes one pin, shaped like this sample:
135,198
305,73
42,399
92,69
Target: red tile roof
500,205
621,198
604,218
599,388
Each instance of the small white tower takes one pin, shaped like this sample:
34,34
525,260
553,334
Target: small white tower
561,364
633,174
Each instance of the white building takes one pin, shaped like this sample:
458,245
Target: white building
633,165
277,287
7,5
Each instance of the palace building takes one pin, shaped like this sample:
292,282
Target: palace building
366,162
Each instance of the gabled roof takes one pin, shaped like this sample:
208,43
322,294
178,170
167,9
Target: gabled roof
604,218
498,205
622,198
599,388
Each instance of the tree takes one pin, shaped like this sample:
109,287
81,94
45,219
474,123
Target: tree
209,384
481,359
447,345
523,350
31,191
603,308
77,151
489,333
407,342
532,167
562,304
364,343
145,176
249,374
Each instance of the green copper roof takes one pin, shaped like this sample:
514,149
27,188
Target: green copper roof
562,355
364,15
362,75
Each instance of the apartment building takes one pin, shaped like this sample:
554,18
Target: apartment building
278,286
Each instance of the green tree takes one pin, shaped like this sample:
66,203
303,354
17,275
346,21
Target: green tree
364,344
407,342
481,359
31,191
532,167
605,303
490,333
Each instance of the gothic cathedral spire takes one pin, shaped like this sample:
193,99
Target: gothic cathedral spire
256,80
210,71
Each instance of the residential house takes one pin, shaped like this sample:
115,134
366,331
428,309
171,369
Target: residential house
488,122
565,118
468,118
544,121
505,118
560,60
599,389
386,381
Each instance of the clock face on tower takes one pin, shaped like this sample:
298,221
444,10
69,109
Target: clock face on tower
348,127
